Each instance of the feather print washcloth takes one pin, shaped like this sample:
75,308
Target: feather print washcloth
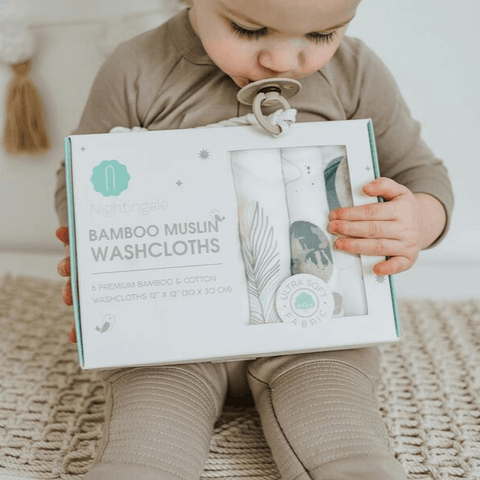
263,225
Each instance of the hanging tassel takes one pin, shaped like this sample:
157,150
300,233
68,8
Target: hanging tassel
24,130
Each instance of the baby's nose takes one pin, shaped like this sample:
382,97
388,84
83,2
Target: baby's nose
279,61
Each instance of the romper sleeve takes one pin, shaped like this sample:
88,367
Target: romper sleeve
372,92
111,103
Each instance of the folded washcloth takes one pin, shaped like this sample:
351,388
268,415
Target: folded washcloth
263,224
311,247
348,266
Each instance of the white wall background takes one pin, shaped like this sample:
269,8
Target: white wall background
430,46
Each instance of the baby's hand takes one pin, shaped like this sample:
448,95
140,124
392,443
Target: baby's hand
63,269
392,228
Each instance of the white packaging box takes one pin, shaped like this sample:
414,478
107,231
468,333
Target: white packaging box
210,244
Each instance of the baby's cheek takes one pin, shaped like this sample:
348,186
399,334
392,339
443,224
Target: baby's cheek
319,55
320,60
228,56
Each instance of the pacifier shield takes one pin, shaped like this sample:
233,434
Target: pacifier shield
288,88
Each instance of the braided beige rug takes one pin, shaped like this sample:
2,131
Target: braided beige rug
51,413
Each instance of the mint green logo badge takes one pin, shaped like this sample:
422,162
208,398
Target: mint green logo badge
110,178
304,300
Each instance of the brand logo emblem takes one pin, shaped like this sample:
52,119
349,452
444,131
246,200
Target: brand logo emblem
304,300
110,178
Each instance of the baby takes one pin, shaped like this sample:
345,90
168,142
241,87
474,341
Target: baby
319,411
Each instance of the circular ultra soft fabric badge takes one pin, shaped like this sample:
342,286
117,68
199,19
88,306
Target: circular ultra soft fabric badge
304,300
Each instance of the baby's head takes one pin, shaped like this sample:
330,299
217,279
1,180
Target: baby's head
256,39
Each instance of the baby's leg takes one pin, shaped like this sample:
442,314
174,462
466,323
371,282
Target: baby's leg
159,422
320,415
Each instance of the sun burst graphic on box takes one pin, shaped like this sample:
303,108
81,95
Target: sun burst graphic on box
380,278
204,154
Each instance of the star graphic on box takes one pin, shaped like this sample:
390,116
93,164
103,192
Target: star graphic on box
204,154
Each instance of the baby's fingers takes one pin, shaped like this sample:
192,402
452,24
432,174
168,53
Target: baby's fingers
366,246
73,335
62,234
63,268
383,229
67,294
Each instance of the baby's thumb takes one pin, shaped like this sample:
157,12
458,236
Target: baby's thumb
385,187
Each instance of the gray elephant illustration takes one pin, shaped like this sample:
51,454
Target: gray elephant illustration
311,251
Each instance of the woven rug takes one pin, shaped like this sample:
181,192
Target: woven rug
51,413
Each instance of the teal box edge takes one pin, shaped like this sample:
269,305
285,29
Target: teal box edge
376,169
73,248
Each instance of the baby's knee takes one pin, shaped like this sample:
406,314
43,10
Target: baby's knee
326,409
265,371
202,380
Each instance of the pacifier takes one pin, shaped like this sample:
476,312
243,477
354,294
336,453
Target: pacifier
268,92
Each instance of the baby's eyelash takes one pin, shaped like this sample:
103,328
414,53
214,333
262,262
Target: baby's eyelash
243,32
324,38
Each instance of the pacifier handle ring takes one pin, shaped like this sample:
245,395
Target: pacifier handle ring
270,97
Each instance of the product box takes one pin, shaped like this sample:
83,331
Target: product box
211,244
